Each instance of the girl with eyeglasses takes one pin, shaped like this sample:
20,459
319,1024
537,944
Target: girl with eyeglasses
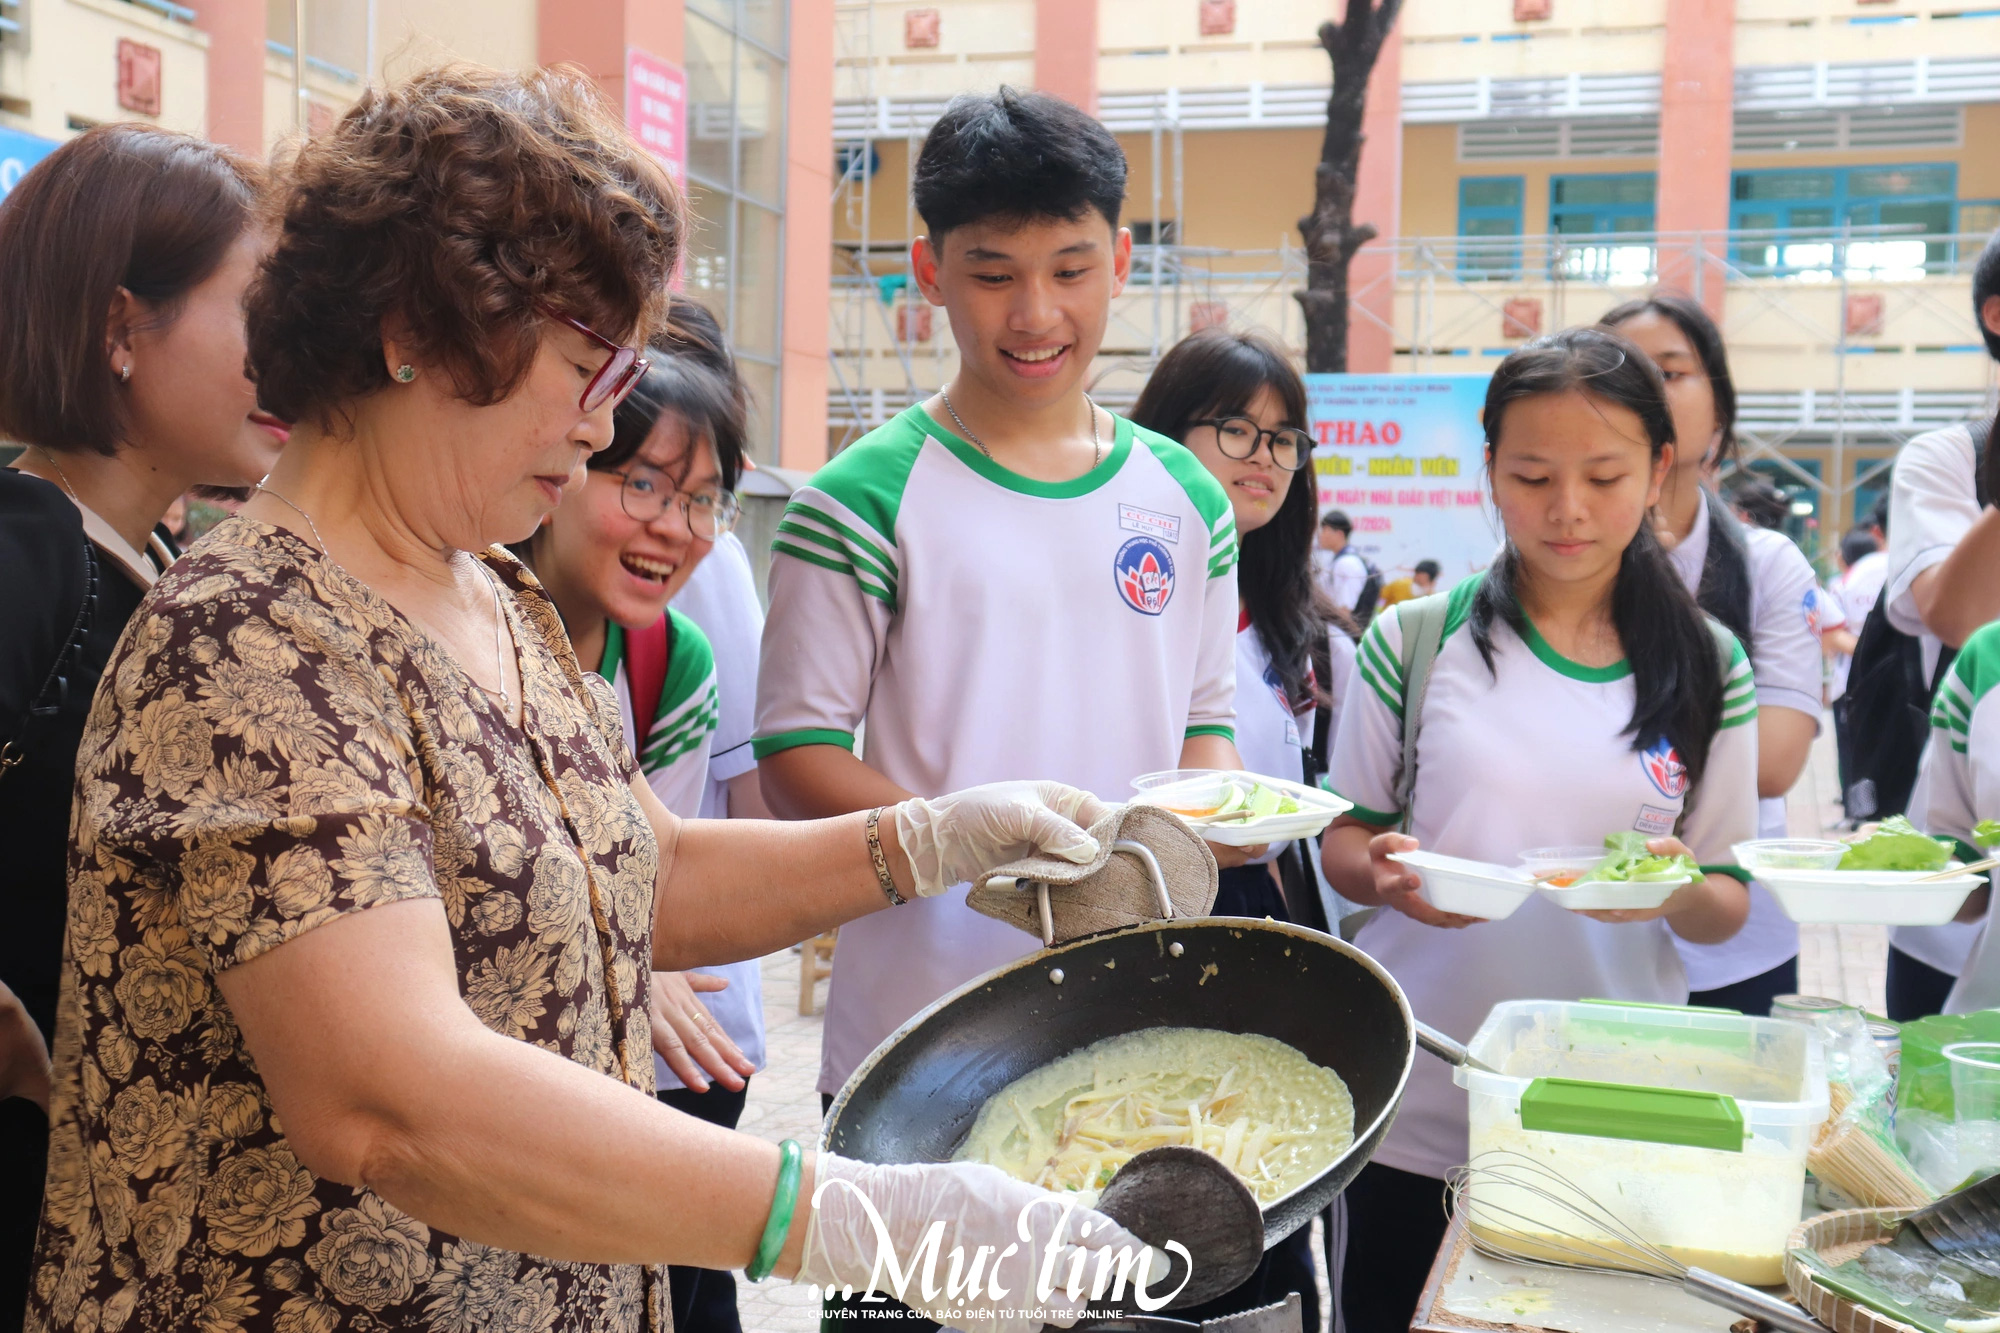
617,549
1237,404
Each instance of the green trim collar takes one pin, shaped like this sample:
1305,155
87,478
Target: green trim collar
1556,662
972,457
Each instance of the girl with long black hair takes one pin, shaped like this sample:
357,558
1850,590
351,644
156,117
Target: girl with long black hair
1577,691
1236,402
1761,586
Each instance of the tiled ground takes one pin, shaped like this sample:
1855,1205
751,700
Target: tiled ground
1840,961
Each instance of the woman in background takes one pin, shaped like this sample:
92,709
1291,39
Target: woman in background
124,257
1760,585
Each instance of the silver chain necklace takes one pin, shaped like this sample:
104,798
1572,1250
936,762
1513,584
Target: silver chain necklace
492,585
1096,442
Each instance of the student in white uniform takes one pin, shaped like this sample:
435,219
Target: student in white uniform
1756,582
1958,788
1239,406
1006,580
1341,571
1944,582
611,556
1864,569
1578,691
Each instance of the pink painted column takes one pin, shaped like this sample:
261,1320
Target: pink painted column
808,290
1378,198
595,34
236,34
1696,130
1066,50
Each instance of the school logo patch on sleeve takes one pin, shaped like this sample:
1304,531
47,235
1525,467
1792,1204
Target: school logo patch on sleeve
1809,605
1144,573
1664,769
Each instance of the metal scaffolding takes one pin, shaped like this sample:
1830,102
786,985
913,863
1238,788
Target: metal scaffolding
1828,388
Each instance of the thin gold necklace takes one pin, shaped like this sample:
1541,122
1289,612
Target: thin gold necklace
1096,440
492,586
62,475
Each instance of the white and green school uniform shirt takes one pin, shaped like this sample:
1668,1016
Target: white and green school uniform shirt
1533,753
1959,785
675,759
985,626
1787,612
1933,502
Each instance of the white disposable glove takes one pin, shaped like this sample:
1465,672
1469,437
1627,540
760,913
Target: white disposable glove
962,834
866,1218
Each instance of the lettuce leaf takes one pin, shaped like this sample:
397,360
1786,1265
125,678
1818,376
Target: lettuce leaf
1629,861
1986,832
1897,844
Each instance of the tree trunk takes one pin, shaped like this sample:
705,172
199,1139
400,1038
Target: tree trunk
1330,231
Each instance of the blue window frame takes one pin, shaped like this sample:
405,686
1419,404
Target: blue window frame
1803,209
1490,207
1604,204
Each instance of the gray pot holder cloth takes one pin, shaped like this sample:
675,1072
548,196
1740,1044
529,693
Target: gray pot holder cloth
1115,890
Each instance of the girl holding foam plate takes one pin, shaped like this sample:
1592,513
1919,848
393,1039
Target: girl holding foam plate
1961,778
1576,690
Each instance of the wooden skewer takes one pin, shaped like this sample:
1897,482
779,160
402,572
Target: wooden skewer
1973,869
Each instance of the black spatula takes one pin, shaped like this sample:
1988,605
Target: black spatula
1186,1195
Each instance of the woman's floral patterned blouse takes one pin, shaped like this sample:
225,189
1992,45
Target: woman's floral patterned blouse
273,746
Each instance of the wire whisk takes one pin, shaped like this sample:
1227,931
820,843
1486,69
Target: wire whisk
1591,1237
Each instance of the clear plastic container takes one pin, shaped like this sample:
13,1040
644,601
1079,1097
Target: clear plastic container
1561,866
1712,1171
1789,854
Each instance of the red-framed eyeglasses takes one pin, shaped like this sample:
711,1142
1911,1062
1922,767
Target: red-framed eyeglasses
616,377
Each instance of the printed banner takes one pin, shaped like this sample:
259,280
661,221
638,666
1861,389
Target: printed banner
18,152
656,109
1402,455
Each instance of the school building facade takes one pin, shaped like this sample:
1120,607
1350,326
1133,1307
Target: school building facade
710,85
1805,167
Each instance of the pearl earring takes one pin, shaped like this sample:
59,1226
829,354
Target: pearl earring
405,373
125,373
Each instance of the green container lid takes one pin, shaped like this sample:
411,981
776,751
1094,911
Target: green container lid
1623,1111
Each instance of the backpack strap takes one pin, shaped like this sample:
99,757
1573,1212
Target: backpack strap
1980,431
1422,622
646,653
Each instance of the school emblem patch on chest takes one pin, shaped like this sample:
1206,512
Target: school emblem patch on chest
1144,573
1664,769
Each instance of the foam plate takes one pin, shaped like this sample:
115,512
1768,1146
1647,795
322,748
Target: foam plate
1469,888
1868,897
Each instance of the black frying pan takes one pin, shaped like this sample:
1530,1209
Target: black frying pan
915,1098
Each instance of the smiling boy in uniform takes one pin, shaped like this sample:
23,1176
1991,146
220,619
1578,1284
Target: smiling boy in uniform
1006,581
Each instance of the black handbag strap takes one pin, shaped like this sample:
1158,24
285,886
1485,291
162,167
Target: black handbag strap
54,692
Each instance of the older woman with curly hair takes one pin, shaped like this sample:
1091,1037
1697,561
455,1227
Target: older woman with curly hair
366,885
